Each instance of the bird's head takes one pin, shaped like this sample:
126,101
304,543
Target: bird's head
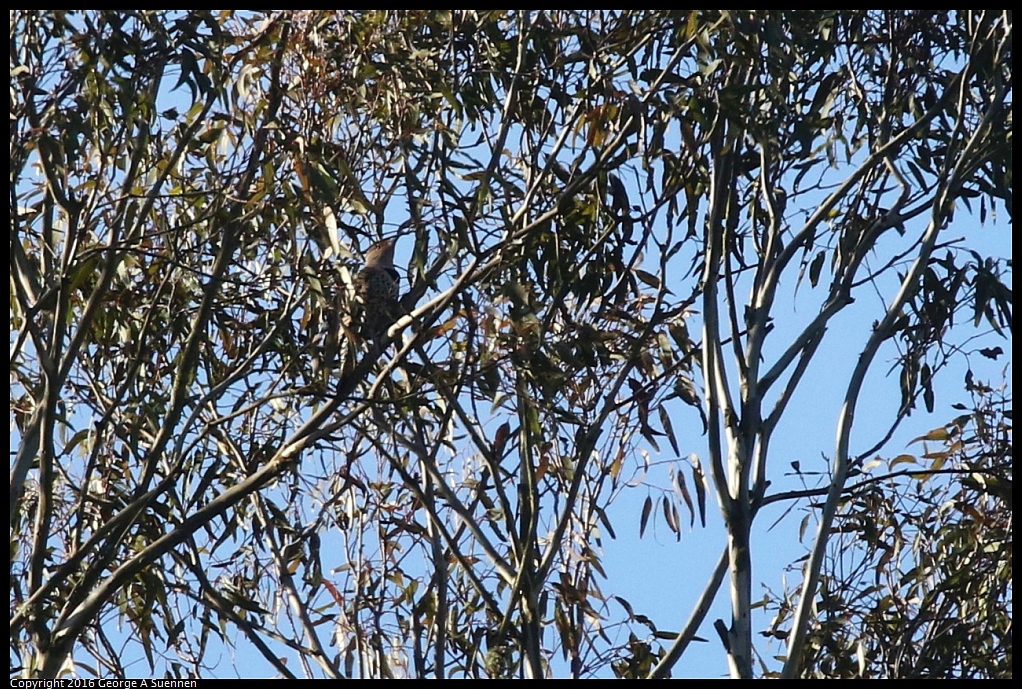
381,253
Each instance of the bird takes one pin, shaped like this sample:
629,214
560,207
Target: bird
364,316
373,304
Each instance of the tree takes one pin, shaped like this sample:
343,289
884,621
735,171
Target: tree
918,580
588,195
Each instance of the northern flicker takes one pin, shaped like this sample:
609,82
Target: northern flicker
373,305
370,308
